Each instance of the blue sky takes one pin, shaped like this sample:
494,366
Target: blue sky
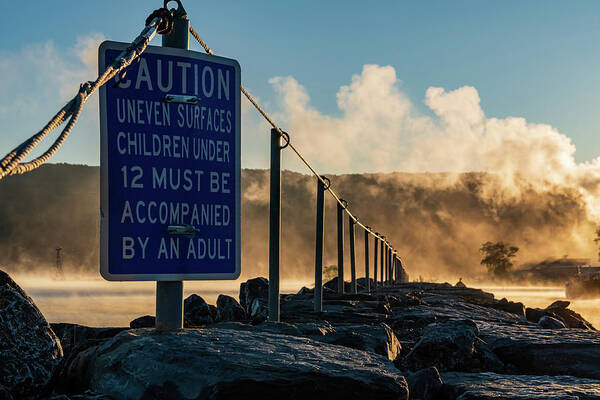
538,59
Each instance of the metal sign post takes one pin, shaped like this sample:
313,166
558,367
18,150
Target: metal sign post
169,294
170,169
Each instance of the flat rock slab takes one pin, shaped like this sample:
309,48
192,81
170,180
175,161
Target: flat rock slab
533,350
490,386
378,339
223,363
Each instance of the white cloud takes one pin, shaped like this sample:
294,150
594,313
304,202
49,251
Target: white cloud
379,130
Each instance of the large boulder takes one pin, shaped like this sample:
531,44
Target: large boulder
228,309
491,386
559,310
198,312
527,349
377,339
146,321
451,346
548,322
225,364
254,298
30,352
425,384
332,285
509,306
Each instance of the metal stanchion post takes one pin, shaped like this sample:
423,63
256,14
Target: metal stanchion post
340,246
375,266
274,225
318,301
368,282
352,256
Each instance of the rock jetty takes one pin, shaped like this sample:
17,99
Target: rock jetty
408,341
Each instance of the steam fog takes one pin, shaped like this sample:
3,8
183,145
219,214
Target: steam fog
509,180
436,221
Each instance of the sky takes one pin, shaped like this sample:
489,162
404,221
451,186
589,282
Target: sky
378,86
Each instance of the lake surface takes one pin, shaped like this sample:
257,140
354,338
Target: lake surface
96,302
543,296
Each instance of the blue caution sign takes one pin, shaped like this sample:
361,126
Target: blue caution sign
170,167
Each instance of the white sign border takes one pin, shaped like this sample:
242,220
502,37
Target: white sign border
104,195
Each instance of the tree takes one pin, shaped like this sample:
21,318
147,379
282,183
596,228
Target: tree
496,257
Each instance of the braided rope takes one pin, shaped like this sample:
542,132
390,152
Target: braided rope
12,164
266,116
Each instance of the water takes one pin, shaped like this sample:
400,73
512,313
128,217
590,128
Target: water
543,296
93,301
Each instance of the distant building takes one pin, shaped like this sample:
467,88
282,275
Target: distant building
554,271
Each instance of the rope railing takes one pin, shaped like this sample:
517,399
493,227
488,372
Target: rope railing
162,21
285,136
12,163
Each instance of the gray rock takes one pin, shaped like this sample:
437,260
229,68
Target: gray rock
223,364
452,346
449,346
509,306
490,386
377,339
534,314
87,395
73,377
74,337
228,309
548,322
254,298
30,351
304,291
332,285
5,394
425,384
197,312
559,310
569,317
558,304
147,321
531,350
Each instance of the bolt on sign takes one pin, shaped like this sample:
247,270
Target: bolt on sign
170,167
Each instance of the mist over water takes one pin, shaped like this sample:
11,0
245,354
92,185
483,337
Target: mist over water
543,296
92,301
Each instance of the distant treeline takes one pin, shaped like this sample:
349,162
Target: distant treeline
437,221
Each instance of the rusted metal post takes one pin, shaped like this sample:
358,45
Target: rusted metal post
318,306
274,225
340,246
368,282
352,256
385,264
389,265
382,261
395,269
375,250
